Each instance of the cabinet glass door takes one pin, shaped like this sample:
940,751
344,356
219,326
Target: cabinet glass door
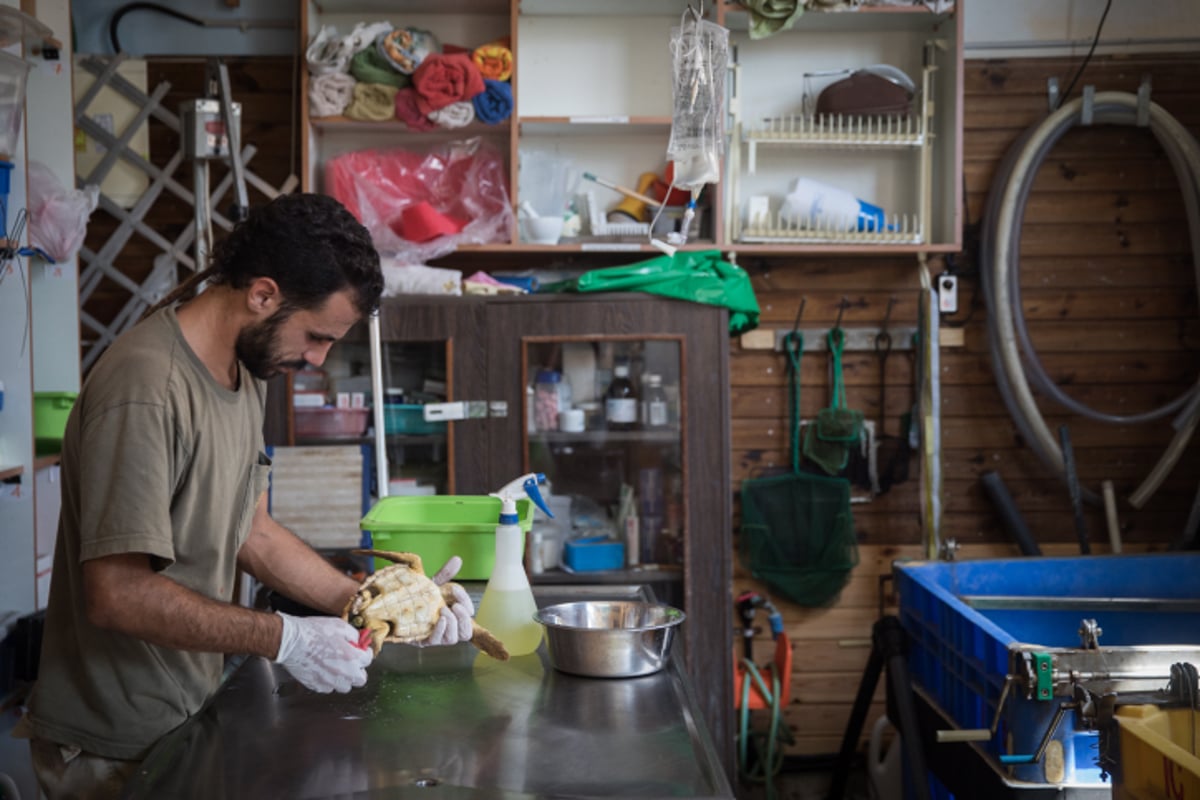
603,421
414,374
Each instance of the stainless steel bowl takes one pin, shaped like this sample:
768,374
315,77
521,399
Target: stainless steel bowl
609,638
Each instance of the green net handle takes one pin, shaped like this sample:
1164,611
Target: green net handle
837,343
793,343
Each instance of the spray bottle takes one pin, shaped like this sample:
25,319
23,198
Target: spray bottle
507,607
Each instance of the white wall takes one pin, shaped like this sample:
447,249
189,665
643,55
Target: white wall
145,32
1044,28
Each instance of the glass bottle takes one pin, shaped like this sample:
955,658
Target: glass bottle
655,403
620,402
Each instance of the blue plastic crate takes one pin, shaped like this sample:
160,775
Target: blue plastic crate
959,654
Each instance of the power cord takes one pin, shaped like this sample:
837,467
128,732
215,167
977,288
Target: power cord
131,7
1095,40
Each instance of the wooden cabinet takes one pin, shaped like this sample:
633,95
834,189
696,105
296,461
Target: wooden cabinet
489,352
592,88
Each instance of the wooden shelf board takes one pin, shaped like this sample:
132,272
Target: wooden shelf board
8,473
593,125
48,460
410,7
861,18
848,249
608,8
395,126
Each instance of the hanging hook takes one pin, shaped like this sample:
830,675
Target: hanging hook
842,306
887,316
799,314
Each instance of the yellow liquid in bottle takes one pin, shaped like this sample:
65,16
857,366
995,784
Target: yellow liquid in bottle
509,616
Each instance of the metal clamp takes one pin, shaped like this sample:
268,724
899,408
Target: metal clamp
1143,102
1087,114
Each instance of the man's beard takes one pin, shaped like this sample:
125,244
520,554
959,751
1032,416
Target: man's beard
257,347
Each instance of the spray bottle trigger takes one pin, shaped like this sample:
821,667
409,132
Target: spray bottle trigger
531,489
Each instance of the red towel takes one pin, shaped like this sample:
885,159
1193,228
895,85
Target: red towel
445,79
408,112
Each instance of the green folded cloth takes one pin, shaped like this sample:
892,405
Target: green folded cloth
368,66
772,16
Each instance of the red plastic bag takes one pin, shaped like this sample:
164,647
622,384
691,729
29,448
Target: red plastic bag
422,205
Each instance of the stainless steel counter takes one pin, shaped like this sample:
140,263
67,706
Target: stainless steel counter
444,722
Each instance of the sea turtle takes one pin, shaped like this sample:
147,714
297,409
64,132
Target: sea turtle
400,603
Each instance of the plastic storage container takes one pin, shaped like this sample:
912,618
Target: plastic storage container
1157,754
330,423
436,528
50,412
408,418
959,654
14,74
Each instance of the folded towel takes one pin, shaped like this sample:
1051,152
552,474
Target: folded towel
370,67
495,61
329,95
445,79
373,102
455,115
495,104
406,48
407,112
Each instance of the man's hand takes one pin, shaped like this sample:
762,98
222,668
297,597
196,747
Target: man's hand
454,625
323,653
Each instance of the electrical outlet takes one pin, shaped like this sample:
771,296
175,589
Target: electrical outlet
947,286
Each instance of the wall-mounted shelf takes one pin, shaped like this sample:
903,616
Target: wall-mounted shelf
8,473
48,460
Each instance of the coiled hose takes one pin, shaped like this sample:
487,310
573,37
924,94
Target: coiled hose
1014,359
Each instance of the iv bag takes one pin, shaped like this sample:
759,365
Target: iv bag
700,58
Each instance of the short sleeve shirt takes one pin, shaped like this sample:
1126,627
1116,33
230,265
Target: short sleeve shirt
158,458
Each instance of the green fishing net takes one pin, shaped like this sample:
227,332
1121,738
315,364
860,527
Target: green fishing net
828,440
797,532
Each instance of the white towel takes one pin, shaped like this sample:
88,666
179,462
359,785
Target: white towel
455,115
329,95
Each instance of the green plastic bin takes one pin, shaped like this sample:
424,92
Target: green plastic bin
441,526
50,412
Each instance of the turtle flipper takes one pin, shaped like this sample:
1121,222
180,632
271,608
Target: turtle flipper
482,638
410,560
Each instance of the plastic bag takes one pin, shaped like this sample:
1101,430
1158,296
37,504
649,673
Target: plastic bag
422,205
700,276
58,217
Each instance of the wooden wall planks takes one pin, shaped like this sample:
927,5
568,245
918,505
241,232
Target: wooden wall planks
1109,292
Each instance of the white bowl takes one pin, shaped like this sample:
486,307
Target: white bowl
543,230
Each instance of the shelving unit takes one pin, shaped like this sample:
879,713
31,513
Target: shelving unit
900,163
39,323
592,85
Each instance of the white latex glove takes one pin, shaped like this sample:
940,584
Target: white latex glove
323,653
454,625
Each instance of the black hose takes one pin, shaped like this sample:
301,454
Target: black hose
1064,438
1010,517
130,7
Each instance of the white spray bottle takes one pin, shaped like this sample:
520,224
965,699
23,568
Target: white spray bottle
507,607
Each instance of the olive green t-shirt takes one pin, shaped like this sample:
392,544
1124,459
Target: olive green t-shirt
157,458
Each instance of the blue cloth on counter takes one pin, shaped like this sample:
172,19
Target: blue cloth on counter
495,103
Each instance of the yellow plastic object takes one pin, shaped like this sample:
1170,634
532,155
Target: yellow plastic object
1158,758
438,527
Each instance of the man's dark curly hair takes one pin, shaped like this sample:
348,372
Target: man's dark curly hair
310,245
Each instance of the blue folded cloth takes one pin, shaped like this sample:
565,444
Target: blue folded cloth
495,103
